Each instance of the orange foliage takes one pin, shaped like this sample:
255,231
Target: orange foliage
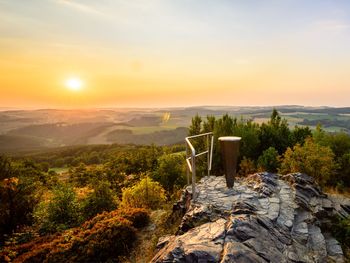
106,236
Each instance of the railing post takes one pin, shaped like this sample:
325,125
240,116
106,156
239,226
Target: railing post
193,177
187,168
211,151
208,154
191,165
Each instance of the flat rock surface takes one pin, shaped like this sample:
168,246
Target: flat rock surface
263,218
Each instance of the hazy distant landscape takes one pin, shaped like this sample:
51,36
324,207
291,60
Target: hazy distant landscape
25,130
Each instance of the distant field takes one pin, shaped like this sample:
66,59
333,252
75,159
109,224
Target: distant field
36,129
151,129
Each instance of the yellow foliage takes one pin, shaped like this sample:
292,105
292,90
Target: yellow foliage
246,167
145,194
311,158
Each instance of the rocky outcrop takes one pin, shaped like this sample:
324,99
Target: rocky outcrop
264,218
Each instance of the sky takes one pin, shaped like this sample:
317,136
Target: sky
160,53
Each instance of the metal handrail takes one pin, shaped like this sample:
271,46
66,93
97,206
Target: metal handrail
191,160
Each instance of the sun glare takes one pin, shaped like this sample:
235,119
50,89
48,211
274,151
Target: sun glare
74,84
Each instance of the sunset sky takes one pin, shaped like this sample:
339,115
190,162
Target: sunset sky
155,53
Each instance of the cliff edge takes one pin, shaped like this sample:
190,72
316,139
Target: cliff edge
264,218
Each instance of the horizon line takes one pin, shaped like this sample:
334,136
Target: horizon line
164,107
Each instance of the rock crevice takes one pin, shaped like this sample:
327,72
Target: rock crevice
264,218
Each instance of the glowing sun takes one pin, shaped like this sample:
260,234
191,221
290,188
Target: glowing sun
74,84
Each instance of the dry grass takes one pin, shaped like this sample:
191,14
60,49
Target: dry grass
336,192
162,223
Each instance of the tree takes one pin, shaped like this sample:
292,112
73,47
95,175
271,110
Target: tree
275,134
59,213
250,142
19,191
223,127
299,134
145,194
99,200
170,172
79,175
269,160
209,124
343,172
311,158
339,143
196,125
15,206
320,136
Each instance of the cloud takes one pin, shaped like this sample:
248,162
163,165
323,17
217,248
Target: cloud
332,25
81,7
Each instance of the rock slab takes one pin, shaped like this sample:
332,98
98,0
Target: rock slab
264,218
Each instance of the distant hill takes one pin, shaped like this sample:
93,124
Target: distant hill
55,127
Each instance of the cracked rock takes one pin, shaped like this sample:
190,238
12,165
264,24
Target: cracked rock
264,218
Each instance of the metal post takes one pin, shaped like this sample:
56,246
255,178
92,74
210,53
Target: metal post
208,155
193,177
211,151
191,164
187,168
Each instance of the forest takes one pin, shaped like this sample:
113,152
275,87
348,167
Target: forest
99,206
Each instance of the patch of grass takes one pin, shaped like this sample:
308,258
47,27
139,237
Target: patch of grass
59,170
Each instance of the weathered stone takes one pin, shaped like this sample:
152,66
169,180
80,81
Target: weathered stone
264,218
164,241
200,244
237,252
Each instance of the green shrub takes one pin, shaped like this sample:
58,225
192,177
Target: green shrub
170,172
312,159
275,133
20,189
99,200
341,231
80,175
269,160
299,135
145,194
60,213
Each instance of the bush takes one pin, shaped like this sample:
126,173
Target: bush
99,200
105,237
170,172
269,160
341,231
145,194
246,167
19,192
312,159
60,213
138,216
80,175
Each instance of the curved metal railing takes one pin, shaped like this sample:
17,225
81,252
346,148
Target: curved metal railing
191,158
